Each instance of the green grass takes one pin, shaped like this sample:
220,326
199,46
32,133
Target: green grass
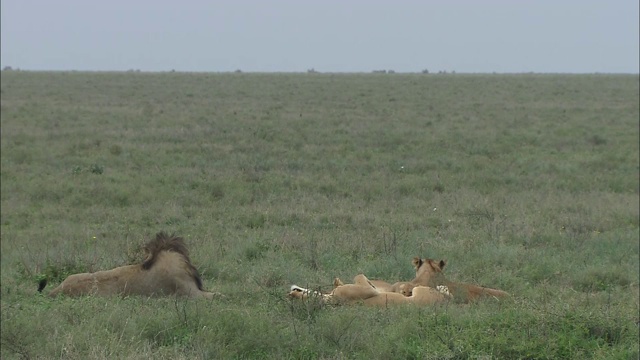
528,183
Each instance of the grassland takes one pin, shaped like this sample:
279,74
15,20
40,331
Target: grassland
528,183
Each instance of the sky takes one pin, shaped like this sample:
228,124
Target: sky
466,36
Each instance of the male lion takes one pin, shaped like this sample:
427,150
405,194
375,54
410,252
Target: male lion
166,270
362,291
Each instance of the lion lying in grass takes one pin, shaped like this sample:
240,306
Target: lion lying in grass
363,291
166,270
429,273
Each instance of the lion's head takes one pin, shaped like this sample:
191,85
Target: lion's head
429,271
405,288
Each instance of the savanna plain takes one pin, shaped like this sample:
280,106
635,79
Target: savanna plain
525,182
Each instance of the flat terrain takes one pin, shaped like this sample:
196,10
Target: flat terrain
528,183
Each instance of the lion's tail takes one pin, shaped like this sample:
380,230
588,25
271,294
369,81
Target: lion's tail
496,293
476,291
42,284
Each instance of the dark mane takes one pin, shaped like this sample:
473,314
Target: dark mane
165,242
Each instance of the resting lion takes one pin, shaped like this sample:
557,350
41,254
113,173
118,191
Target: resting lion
429,273
362,291
166,270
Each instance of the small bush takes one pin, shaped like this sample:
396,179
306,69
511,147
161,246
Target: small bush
96,169
115,150
597,140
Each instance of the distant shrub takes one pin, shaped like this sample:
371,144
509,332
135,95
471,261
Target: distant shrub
597,140
255,221
217,191
96,169
115,150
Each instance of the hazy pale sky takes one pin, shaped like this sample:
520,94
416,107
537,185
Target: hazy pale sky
580,36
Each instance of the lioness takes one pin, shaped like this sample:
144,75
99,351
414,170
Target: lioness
429,273
362,291
166,270
423,273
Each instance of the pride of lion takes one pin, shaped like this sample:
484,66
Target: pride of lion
363,291
167,270
430,286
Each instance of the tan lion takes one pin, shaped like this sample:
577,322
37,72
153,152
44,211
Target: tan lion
429,273
166,270
363,291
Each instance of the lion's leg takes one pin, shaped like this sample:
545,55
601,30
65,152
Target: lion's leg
354,292
471,292
191,290
377,284
362,280
381,285
208,295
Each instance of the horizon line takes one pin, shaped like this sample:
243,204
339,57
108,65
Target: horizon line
316,72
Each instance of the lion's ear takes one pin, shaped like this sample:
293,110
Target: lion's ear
417,262
442,264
